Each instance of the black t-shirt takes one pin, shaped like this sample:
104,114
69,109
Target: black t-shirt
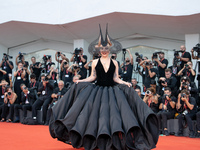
36,71
148,79
48,66
83,70
192,101
62,92
2,91
128,70
166,102
185,55
6,67
1,76
189,74
161,70
66,76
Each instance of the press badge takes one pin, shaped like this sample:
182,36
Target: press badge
2,96
43,92
67,76
80,64
4,67
125,72
18,78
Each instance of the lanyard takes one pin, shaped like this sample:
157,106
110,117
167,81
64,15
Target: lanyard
19,73
166,102
183,54
53,76
33,84
149,102
185,106
3,91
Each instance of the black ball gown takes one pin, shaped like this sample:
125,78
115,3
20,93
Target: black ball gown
104,116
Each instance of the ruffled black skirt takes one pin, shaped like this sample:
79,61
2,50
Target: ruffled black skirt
99,117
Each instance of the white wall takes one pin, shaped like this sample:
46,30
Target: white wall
3,49
65,11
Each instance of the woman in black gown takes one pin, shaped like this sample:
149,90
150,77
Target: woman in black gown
106,115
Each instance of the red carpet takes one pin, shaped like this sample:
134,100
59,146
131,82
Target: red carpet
16,136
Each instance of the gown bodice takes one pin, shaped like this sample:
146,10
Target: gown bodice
105,78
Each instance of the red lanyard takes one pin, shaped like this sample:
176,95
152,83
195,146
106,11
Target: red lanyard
33,84
80,59
185,106
19,73
66,71
125,68
183,54
53,76
3,91
166,102
188,74
149,102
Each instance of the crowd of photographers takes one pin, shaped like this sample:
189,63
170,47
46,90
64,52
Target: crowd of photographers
170,91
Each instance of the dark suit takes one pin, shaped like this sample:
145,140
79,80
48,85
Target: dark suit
44,99
27,102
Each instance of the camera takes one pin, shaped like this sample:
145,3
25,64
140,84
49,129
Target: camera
6,56
46,57
186,66
184,84
148,92
139,57
65,63
112,57
197,48
21,55
25,88
183,95
76,67
148,63
155,55
9,93
185,112
165,96
77,51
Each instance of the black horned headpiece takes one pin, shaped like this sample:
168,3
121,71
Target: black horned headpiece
115,46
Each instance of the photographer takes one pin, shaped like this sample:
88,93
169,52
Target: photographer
114,56
27,102
167,107
46,89
74,69
185,57
35,67
7,66
56,95
48,61
19,76
151,99
33,82
59,55
188,71
26,77
162,63
175,69
66,75
53,75
186,106
168,81
138,90
150,72
127,67
8,106
2,74
189,86
81,60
